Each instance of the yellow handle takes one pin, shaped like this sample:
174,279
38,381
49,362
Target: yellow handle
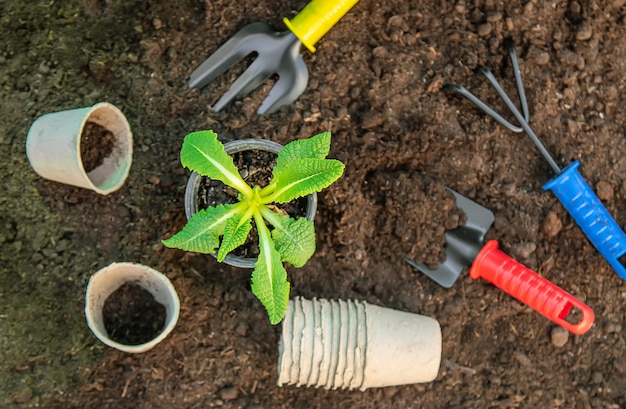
316,19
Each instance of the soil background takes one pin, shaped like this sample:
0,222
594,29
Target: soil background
374,83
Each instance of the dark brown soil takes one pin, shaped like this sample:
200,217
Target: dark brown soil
255,166
410,227
132,316
374,83
96,144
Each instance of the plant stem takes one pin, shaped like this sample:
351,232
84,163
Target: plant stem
267,190
265,239
269,215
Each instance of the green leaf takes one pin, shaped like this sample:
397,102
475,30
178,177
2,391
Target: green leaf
269,278
303,177
316,147
203,153
202,232
235,233
294,238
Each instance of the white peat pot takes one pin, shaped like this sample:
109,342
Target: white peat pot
402,348
53,147
107,280
355,345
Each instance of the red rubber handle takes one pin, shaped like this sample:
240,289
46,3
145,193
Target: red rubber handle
530,288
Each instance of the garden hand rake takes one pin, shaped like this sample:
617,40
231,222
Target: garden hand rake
278,53
568,185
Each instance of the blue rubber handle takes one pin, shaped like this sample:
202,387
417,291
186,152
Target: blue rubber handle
591,215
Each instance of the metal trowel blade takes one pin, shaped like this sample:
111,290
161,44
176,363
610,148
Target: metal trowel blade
462,244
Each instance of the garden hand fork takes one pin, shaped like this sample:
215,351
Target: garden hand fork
568,185
278,53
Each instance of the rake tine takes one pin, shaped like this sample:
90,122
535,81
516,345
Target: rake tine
481,105
521,118
251,78
508,43
505,97
524,124
525,114
238,47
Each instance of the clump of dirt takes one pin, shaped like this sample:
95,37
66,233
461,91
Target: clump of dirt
410,227
96,144
132,316
255,167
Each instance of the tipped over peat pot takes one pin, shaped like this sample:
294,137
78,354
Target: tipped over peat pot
89,147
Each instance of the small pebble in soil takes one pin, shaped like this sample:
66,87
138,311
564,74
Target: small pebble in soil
552,225
229,393
523,250
613,327
620,365
539,56
529,8
22,397
597,378
494,16
484,29
584,31
380,52
523,359
605,191
242,329
559,336
510,25
390,392
43,68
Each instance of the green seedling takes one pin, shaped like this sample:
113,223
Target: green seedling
301,169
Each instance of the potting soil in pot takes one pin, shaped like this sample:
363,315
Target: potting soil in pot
255,166
132,316
96,144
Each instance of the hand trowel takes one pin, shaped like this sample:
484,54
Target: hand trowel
465,246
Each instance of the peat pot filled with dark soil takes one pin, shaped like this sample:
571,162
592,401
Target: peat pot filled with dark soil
89,147
131,307
255,159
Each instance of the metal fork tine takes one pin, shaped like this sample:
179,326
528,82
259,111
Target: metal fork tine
242,44
251,78
291,83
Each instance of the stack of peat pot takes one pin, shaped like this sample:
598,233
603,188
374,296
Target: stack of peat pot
356,345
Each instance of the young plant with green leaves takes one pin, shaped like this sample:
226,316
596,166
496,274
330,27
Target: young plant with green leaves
301,169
